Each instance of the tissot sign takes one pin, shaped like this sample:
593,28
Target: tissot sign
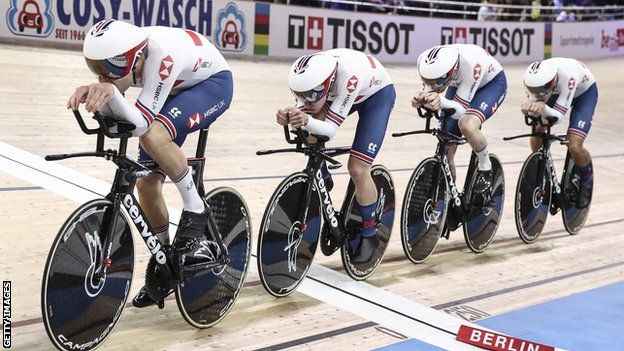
506,41
297,30
312,32
503,42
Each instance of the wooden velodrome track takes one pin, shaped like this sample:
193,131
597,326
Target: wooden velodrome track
34,88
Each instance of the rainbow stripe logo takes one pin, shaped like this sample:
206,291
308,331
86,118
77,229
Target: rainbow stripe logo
261,29
547,40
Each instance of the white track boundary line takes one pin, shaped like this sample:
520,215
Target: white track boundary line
359,298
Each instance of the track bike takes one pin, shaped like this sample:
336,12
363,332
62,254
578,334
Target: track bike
433,206
88,271
539,191
293,222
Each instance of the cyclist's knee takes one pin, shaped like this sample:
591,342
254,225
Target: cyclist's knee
469,124
156,135
575,147
358,170
575,144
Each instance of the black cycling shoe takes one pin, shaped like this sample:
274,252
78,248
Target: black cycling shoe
142,299
366,250
191,230
482,188
585,194
191,245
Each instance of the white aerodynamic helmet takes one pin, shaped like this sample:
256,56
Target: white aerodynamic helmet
112,48
540,78
311,76
438,65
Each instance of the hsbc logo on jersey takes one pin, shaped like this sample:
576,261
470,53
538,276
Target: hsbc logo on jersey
571,83
352,84
503,42
166,66
195,119
476,72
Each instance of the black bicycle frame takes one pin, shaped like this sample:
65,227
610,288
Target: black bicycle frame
445,139
122,189
316,157
545,164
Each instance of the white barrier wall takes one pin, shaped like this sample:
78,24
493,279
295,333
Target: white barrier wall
252,28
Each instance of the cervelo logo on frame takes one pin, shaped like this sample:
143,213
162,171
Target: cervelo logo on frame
323,33
31,18
503,41
230,34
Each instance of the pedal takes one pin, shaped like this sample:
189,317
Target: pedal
452,221
158,284
555,204
446,233
329,245
160,304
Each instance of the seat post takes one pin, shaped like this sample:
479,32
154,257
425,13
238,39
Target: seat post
201,143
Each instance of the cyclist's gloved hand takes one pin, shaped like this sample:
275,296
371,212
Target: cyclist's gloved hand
298,118
433,101
99,94
282,116
525,107
78,97
536,109
418,100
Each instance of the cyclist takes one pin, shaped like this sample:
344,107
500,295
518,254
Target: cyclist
555,86
185,85
328,87
476,86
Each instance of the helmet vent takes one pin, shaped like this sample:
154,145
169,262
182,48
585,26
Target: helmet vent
101,27
433,55
301,66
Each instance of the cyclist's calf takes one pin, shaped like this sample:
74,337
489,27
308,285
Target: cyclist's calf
153,203
450,155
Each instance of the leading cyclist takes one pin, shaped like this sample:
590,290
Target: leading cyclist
185,85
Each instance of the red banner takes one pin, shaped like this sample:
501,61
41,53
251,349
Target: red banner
497,342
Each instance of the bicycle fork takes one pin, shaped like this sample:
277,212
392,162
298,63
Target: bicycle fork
546,170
